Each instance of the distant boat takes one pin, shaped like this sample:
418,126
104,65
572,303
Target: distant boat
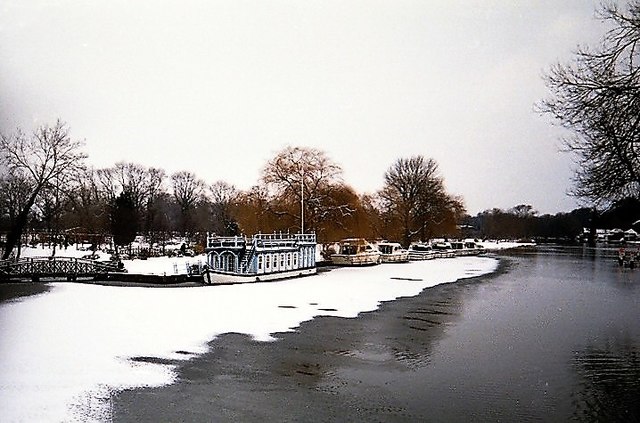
465,248
421,251
443,249
392,252
356,252
263,257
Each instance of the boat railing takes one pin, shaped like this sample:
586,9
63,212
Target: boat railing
272,239
280,236
226,241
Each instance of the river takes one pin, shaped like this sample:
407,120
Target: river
553,336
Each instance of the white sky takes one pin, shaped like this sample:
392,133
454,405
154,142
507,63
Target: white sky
218,87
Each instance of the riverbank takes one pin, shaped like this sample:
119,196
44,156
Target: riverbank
328,369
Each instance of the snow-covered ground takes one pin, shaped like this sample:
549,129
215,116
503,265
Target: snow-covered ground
65,351
150,266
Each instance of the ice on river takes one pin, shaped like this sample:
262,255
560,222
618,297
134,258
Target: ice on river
65,351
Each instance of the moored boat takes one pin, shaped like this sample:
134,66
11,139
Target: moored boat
355,252
421,251
442,249
263,257
465,248
392,252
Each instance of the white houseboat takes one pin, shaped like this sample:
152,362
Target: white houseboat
263,257
392,252
355,252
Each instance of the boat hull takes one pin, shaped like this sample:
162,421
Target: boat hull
361,259
421,255
395,258
212,277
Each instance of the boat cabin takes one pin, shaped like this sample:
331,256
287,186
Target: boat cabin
262,253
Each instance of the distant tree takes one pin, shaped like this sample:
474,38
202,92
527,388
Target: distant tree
143,184
415,200
47,155
124,222
223,196
187,191
304,177
251,211
51,204
523,225
88,210
14,194
344,215
376,225
597,98
154,189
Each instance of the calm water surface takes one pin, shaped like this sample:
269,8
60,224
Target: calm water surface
555,338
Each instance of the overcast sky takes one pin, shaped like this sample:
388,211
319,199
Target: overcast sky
219,87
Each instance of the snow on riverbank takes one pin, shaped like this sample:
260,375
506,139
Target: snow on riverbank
64,352
150,266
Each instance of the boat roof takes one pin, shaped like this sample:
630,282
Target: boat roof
357,241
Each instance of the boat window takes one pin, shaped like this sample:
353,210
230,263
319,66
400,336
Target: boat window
268,263
288,259
421,247
281,259
260,262
349,249
295,259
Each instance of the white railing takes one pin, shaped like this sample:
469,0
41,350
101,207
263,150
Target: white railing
261,239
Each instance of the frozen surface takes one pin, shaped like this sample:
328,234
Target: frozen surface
64,352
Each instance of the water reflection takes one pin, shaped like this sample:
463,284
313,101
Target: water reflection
405,334
609,382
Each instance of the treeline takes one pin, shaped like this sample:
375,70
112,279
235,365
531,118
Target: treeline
523,222
47,187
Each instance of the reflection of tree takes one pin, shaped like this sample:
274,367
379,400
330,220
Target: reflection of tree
609,385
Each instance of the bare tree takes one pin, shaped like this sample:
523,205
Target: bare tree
187,191
222,196
597,98
14,194
142,184
48,154
51,202
304,178
414,196
89,209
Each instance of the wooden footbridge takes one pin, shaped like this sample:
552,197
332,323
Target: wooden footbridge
70,268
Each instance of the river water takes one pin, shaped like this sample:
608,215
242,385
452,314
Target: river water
554,338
